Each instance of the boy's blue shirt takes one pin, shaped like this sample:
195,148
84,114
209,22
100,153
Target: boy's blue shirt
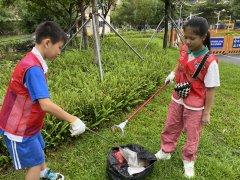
36,83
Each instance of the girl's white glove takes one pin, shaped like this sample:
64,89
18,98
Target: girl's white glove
170,78
77,127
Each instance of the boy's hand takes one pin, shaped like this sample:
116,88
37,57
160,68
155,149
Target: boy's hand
77,127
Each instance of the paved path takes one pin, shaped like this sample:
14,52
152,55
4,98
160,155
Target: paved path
231,58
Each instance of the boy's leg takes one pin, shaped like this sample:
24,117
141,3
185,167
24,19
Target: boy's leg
46,173
43,166
192,128
173,127
33,173
27,154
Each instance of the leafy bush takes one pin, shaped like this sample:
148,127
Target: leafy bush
235,33
13,45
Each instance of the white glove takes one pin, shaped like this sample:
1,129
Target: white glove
77,127
170,78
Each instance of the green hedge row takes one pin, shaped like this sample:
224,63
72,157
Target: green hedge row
14,45
75,85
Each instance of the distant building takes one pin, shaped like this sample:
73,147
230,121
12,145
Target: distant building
101,22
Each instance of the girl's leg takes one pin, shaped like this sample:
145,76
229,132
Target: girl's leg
33,173
192,128
173,127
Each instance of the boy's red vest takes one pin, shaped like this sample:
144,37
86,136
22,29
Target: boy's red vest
20,115
185,70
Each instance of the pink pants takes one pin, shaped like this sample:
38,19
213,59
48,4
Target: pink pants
179,118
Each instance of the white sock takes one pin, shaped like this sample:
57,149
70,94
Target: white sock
43,172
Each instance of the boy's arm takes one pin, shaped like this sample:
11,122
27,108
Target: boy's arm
208,103
35,82
76,125
50,107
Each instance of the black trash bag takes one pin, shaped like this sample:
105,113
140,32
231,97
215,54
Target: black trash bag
117,166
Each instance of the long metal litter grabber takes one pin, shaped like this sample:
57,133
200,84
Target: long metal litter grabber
123,124
101,136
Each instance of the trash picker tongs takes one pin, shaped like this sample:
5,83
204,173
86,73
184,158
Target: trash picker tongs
123,124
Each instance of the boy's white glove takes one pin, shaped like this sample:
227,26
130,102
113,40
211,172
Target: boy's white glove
77,127
170,78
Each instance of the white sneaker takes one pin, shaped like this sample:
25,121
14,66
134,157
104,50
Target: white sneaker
162,155
188,168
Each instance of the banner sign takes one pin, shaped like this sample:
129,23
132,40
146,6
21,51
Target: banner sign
217,42
236,42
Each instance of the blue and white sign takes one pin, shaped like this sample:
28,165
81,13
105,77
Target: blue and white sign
217,42
236,42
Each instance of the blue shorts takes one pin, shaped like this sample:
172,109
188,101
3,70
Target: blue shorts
28,153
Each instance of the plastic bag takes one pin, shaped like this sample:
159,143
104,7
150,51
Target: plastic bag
117,165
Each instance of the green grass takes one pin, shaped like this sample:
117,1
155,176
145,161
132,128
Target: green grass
84,157
219,154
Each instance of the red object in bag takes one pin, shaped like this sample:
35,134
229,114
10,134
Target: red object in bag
119,157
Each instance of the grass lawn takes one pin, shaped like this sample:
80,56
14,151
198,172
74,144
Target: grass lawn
84,157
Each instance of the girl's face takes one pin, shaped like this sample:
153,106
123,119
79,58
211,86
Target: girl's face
192,40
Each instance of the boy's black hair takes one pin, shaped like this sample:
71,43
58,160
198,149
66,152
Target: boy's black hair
200,27
51,30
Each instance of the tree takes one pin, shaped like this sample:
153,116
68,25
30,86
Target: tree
83,5
147,13
210,9
167,13
106,5
33,12
235,9
64,12
124,13
9,19
138,13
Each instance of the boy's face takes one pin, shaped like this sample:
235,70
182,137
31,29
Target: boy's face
52,50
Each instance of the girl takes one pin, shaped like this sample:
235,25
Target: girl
191,112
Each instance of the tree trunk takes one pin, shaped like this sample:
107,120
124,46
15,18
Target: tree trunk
95,11
85,35
103,28
171,32
165,39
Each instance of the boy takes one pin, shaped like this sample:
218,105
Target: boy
28,100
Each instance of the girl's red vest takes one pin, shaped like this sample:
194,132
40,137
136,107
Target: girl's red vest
20,115
185,70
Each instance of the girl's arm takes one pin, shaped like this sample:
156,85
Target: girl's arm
208,103
171,76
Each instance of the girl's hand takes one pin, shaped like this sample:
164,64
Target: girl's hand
206,119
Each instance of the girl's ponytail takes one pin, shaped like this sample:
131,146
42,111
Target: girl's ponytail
207,41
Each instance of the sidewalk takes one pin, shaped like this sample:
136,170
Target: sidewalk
230,58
